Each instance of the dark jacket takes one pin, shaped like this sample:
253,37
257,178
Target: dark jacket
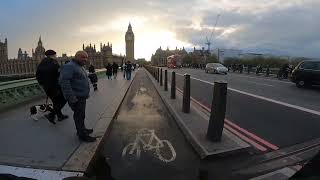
129,67
115,67
74,82
109,70
47,74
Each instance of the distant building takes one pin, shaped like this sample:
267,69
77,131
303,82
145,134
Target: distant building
24,64
28,65
223,54
129,44
23,56
160,56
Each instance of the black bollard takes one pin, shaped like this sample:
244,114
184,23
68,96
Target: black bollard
158,74
218,111
186,94
161,83
173,85
165,80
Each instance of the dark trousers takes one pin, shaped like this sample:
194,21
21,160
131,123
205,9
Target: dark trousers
58,102
79,114
128,75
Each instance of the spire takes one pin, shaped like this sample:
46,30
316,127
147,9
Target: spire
100,46
94,47
90,45
129,27
6,41
82,46
40,42
108,43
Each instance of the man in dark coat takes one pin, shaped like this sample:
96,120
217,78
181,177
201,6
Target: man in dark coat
47,75
128,70
115,68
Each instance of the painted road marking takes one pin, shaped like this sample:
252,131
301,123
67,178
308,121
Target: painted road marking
261,84
264,98
247,76
147,145
233,128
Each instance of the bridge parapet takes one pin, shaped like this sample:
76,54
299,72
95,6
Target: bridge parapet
20,91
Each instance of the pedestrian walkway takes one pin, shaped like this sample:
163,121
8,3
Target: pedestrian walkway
145,142
40,144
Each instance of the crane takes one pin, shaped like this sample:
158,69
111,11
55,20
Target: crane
208,40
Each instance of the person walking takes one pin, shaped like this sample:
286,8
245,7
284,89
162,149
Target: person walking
93,77
47,75
128,70
75,86
124,70
115,68
109,71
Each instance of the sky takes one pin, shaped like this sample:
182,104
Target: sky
281,27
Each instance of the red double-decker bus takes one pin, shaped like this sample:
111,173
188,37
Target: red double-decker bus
174,61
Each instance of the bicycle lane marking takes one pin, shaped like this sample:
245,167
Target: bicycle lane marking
148,146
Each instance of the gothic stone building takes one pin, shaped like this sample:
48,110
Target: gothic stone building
22,65
99,59
160,56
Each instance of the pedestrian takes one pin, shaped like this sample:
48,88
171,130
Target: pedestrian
74,83
109,71
115,68
47,75
93,77
124,70
128,70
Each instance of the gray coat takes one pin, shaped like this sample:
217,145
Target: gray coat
74,82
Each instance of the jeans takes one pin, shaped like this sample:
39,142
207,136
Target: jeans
128,74
79,114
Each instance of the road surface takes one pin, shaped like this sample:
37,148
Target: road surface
273,113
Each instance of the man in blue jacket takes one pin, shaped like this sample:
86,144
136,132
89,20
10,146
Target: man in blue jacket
75,86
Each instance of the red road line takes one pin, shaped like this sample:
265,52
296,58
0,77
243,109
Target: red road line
258,146
268,144
253,136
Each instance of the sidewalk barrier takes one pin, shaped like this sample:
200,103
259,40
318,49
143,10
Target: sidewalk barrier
186,94
161,83
218,111
165,80
173,85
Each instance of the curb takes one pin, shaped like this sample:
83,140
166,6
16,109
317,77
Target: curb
190,136
83,159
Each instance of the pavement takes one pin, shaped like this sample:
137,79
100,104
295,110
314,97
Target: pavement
271,113
145,142
40,145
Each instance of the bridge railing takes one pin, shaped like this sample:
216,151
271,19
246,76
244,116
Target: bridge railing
20,91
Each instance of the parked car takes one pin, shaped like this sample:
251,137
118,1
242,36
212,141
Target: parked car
216,68
306,73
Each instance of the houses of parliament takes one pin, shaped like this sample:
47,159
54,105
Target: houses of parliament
24,64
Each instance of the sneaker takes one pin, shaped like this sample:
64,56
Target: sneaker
63,117
50,118
87,138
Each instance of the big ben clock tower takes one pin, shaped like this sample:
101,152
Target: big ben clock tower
129,44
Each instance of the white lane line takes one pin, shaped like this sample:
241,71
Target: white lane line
261,84
264,98
279,81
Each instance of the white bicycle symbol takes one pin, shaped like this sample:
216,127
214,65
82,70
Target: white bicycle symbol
147,145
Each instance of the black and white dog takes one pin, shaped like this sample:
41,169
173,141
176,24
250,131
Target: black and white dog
37,111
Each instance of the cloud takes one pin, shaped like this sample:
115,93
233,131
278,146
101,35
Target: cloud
272,26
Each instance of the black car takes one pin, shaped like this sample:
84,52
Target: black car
306,73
